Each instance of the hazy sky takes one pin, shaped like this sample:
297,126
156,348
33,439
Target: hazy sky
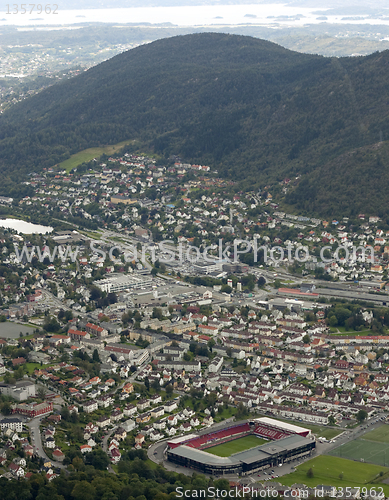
99,4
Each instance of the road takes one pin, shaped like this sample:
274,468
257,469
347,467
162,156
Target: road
37,442
358,432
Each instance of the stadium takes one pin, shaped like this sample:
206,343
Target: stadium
283,442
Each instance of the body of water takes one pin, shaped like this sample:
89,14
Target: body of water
264,14
24,227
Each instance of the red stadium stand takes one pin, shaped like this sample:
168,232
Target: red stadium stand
231,433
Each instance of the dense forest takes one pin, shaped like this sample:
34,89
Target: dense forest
256,112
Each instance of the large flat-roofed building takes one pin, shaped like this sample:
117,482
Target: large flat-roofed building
120,282
261,457
20,391
119,198
205,267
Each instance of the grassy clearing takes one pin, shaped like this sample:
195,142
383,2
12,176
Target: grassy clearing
241,444
326,470
88,155
151,464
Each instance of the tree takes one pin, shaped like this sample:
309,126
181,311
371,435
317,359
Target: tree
97,458
310,473
187,356
341,476
169,390
96,356
41,392
331,420
211,343
6,408
95,293
147,383
361,416
157,313
83,490
65,414
155,385
261,281
77,463
310,316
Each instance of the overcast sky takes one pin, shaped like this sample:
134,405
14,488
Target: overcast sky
99,4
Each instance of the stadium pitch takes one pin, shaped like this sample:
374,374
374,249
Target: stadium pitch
235,446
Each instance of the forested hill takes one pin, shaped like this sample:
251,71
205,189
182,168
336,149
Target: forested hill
249,108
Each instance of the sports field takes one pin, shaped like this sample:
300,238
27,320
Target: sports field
336,472
364,451
381,434
241,444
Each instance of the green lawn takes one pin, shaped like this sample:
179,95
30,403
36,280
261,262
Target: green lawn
326,471
223,415
381,434
88,155
341,330
329,433
241,444
30,367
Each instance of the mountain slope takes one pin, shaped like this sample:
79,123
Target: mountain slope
251,109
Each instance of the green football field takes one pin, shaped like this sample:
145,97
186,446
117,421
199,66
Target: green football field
364,451
241,444
338,472
381,434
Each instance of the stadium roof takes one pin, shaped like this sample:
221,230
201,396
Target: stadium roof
201,456
247,456
180,439
282,425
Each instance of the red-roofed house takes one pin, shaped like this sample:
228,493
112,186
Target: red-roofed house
58,455
78,335
85,448
96,330
18,361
